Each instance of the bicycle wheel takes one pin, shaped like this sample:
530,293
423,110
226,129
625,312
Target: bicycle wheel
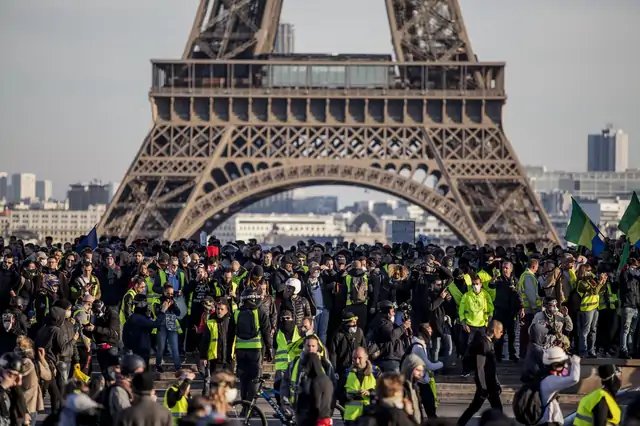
247,414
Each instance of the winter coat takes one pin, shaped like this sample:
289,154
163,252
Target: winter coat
226,335
107,328
507,302
384,414
9,279
145,412
31,384
412,392
112,285
52,339
342,345
137,334
630,288
388,336
278,279
300,307
533,365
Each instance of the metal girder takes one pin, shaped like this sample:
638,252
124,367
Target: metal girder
433,136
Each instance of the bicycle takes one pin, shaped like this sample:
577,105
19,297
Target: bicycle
248,413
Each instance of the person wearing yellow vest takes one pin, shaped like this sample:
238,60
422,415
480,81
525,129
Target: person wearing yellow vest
599,408
531,301
458,286
356,283
290,381
608,321
177,396
359,386
87,282
126,306
286,335
588,288
216,343
82,316
253,338
474,312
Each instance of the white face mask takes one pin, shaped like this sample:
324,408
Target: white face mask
352,330
477,288
67,314
231,394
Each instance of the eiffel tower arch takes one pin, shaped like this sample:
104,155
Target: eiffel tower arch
234,124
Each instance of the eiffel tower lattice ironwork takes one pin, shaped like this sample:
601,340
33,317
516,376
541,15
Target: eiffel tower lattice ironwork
234,124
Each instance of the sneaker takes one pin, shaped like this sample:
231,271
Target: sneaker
592,356
159,369
465,374
514,358
624,355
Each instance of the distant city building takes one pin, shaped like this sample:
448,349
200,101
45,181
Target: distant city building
586,185
259,226
44,190
327,204
82,196
4,183
23,187
608,151
285,39
277,203
62,225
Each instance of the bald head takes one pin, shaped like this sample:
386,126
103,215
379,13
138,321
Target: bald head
360,357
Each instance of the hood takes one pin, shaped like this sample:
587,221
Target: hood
538,334
56,316
356,272
410,362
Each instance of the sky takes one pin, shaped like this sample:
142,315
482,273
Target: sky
76,74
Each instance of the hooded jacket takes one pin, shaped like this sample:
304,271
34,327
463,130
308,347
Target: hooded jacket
533,365
412,392
52,339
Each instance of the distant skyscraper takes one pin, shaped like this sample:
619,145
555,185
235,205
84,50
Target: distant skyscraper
285,39
44,190
608,151
3,185
82,196
23,186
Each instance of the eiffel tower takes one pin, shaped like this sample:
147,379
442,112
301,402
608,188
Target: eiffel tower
234,123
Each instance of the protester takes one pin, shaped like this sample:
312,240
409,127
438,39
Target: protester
561,372
600,406
144,409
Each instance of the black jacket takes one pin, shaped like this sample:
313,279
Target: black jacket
245,328
630,288
107,328
9,279
226,331
342,345
384,415
51,337
389,338
112,286
300,307
136,334
507,302
327,296
20,327
278,279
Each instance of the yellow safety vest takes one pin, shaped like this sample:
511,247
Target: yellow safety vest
589,302
609,300
152,296
354,408
474,308
178,410
584,415
254,342
282,349
455,293
523,296
131,292
295,348
212,353
348,281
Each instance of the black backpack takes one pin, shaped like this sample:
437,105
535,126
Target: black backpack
528,408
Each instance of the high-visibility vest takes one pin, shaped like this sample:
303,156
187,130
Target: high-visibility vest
152,296
584,415
253,342
474,308
295,348
354,407
486,278
131,292
237,279
282,349
523,296
589,301
455,293
212,353
348,281
178,410
293,380
609,300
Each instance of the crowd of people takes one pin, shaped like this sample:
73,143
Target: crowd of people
368,326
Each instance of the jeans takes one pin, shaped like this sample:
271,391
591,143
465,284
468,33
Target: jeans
322,324
629,323
163,338
442,344
587,329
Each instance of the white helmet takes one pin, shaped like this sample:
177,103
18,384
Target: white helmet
554,355
295,283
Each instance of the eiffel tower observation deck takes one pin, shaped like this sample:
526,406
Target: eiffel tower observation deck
234,123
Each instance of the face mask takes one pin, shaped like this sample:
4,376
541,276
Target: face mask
477,288
7,321
67,314
353,330
231,394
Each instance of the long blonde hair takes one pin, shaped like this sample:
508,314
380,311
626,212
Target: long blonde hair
220,382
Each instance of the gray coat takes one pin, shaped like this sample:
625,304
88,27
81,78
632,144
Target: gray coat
145,412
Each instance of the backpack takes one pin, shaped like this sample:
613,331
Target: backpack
528,408
359,290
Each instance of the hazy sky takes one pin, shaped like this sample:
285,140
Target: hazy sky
75,74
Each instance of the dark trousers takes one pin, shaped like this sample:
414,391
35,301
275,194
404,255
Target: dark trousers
428,400
106,359
84,356
476,404
54,393
249,366
608,334
524,334
510,331
467,361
